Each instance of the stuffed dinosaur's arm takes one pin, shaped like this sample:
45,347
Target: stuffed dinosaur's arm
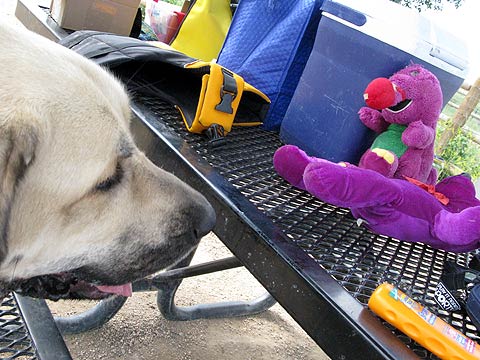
372,119
418,135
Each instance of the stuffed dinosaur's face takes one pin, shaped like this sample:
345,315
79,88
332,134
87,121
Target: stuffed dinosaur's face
420,97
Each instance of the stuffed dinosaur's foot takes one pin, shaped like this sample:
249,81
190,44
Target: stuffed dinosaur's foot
380,160
460,231
460,191
290,162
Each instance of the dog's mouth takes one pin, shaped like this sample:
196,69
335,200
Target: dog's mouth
66,286
402,105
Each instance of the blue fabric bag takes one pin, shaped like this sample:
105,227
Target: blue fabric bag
268,44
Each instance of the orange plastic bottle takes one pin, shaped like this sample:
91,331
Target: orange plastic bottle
424,327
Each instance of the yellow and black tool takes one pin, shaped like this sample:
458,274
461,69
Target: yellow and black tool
413,319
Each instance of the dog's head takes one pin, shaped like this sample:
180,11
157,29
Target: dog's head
81,208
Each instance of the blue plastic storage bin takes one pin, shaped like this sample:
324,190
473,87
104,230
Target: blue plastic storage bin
347,54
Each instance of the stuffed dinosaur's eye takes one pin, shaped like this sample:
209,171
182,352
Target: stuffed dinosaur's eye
414,73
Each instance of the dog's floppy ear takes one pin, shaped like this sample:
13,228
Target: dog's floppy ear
17,149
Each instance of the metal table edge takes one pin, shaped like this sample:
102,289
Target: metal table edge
47,340
34,18
307,276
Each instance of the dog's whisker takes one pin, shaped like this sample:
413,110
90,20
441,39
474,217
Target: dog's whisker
17,259
136,72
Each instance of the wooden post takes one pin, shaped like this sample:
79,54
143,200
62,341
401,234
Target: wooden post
461,116
186,6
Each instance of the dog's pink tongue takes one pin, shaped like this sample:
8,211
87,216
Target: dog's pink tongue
123,290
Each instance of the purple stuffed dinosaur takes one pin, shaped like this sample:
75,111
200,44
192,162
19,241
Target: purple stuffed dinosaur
392,207
404,110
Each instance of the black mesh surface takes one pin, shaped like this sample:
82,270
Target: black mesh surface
358,259
15,341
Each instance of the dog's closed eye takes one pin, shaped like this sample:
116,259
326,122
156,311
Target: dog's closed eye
111,181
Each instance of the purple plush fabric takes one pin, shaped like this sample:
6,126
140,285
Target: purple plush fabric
391,207
418,101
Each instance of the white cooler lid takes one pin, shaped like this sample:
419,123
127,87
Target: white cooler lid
408,30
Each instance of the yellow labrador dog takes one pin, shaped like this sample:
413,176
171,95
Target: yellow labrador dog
82,210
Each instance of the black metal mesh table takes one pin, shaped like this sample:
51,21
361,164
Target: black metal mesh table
356,258
320,252
28,331
15,340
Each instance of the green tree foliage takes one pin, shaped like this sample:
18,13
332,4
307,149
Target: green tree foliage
427,4
174,2
462,152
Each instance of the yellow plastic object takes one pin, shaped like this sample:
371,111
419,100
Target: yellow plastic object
421,325
387,155
213,87
202,32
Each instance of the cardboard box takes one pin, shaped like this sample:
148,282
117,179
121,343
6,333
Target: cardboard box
115,16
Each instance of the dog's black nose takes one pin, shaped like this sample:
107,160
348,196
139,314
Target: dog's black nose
205,220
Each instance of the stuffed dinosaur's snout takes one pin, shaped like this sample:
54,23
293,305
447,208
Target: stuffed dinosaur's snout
381,93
